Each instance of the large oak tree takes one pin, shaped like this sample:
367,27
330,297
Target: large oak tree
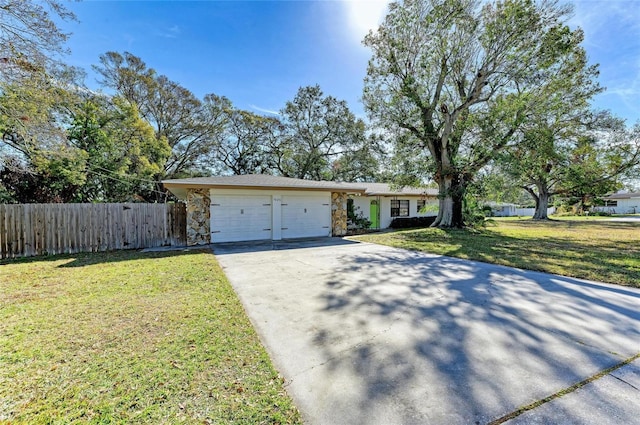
459,78
581,157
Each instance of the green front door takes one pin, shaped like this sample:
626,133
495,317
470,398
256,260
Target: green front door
374,215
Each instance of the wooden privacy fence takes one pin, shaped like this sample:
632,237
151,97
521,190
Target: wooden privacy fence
37,229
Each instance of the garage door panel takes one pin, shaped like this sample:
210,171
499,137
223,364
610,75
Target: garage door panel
306,216
240,218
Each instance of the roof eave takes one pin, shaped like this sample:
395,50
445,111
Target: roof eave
187,185
399,194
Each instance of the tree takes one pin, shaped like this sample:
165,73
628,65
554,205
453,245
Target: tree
109,154
123,156
459,77
35,162
554,129
247,144
362,162
572,157
33,111
45,177
33,99
191,127
29,38
318,130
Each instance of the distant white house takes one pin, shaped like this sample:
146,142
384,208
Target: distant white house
499,209
621,203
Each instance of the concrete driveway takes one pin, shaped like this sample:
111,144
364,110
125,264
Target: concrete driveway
368,334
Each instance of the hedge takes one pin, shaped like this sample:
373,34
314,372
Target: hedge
407,222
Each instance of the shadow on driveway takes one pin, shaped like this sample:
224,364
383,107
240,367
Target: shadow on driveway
366,334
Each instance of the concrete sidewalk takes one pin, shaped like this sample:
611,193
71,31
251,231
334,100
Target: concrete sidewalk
368,334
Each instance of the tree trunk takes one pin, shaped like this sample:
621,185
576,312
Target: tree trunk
542,203
451,195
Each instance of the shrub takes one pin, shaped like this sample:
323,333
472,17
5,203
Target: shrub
487,211
408,222
600,213
355,218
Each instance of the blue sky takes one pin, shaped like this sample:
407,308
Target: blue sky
258,53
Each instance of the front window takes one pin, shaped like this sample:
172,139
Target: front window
421,204
399,208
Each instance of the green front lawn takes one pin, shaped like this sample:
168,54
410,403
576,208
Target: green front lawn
596,250
127,337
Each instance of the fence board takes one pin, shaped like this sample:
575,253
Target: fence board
37,229
3,233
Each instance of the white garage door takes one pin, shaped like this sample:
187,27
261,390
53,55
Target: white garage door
306,216
240,218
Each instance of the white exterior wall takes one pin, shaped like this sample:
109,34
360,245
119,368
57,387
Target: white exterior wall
512,211
276,197
625,206
503,210
362,204
529,212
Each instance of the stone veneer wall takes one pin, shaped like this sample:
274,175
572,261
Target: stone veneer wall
338,214
198,217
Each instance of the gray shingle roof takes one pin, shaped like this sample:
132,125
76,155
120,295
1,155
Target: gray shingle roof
259,181
623,195
262,181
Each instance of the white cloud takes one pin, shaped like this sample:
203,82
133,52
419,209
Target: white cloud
266,111
364,15
611,29
172,32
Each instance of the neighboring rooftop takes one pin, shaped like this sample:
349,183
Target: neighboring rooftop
619,195
260,181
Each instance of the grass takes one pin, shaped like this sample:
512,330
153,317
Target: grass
597,250
128,337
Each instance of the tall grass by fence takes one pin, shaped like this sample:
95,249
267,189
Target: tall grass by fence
37,229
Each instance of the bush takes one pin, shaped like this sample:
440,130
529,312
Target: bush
355,218
563,211
408,222
600,213
487,211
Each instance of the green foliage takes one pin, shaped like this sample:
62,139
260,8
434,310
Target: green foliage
456,80
190,126
30,40
411,222
66,144
355,217
474,213
571,154
319,130
47,176
30,113
487,211
123,153
248,142
362,162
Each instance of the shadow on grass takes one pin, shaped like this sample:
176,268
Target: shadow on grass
599,259
91,258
